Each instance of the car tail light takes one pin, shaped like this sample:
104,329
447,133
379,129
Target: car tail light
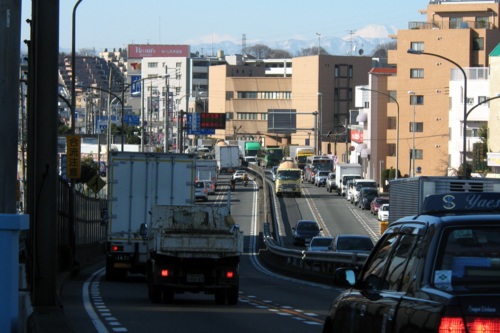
115,248
454,324
483,325
164,272
229,274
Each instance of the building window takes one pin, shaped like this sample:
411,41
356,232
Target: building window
246,116
470,100
263,116
394,95
417,73
419,127
247,94
229,95
416,100
419,154
229,115
456,22
417,46
481,22
287,95
178,64
152,65
481,99
392,123
478,44
391,149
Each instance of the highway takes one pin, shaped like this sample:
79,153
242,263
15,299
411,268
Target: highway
268,302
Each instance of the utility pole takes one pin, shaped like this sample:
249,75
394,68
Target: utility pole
167,106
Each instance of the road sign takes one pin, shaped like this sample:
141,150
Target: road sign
73,156
96,183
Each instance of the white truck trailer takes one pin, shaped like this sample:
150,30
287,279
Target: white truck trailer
345,172
206,169
228,158
406,195
136,183
193,248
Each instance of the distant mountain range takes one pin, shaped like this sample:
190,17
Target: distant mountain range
364,41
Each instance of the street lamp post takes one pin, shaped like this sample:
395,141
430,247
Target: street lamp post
320,127
464,156
412,171
73,68
397,126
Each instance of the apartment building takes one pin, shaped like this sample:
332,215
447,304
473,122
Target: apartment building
317,97
493,155
455,32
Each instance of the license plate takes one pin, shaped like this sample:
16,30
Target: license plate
307,240
122,257
288,190
195,278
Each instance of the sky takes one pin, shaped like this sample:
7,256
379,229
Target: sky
114,24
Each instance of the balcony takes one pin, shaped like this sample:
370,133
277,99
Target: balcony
450,25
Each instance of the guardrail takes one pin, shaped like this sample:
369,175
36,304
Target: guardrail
312,265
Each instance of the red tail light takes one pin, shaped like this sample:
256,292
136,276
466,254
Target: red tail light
474,325
229,275
164,272
452,325
115,248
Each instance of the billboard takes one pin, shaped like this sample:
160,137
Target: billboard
139,51
282,121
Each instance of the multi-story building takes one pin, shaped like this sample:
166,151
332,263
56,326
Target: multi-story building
455,32
493,155
317,97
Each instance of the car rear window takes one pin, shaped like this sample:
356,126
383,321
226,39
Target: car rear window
308,226
469,258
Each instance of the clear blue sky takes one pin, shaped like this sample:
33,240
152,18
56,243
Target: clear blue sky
116,23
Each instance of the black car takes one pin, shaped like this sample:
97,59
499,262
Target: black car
435,272
366,196
304,231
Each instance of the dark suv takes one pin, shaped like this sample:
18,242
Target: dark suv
434,272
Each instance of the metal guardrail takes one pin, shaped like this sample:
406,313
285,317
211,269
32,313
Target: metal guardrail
315,265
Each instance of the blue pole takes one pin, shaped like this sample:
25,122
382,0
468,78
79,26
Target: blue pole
10,226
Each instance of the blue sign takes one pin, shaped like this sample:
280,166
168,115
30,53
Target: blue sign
135,84
193,125
132,120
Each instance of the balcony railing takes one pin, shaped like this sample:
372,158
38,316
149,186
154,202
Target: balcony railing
450,25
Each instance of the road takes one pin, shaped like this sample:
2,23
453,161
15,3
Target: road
268,302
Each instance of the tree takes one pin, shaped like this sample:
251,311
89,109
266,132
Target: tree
279,54
382,50
259,51
309,51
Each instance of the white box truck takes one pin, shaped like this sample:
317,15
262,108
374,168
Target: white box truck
228,158
193,249
137,182
345,172
406,195
206,169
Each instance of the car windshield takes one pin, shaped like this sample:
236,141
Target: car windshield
323,173
200,185
321,242
354,244
288,175
468,259
308,226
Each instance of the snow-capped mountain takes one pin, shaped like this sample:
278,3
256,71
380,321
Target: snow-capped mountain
363,41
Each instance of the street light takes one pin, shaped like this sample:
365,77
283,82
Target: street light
464,157
320,127
397,125
73,69
412,172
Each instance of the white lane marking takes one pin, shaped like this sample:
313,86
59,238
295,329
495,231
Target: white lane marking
87,285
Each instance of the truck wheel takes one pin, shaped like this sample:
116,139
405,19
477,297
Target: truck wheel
232,296
154,293
220,297
168,295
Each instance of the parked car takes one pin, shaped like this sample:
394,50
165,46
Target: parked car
304,231
201,190
320,243
383,213
366,196
330,182
320,178
352,243
434,272
376,203
238,175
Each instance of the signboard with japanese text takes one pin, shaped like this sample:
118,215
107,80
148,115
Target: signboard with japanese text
213,120
73,156
193,125
139,51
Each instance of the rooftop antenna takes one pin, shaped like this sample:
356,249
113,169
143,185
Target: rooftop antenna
243,43
351,32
